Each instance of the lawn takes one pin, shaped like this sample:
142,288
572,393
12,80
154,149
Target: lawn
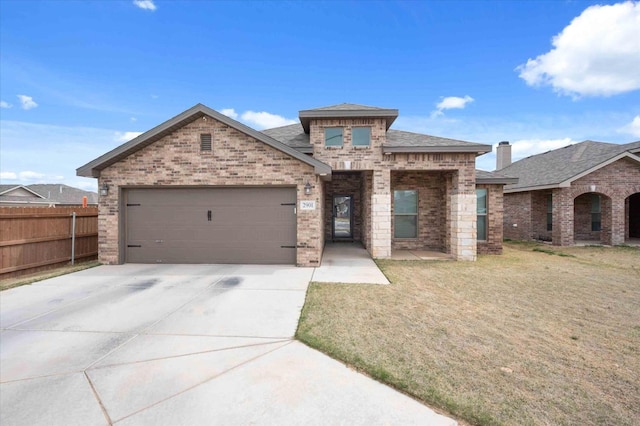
540,335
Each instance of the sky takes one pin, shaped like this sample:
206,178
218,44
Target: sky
79,78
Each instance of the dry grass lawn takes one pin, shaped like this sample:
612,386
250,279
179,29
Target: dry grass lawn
540,335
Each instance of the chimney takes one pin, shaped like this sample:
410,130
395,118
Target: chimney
503,155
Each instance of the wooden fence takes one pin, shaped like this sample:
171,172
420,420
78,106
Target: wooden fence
34,239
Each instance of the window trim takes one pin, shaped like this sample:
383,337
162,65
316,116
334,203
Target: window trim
368,145
485,215
415,215
341,137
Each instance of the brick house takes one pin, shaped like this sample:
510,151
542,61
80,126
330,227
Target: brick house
204,188
587,192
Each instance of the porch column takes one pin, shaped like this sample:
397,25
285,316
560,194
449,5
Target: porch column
562,219
464,221
381,214
618,223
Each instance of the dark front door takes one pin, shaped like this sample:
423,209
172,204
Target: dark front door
343,217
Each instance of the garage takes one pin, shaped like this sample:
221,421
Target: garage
210,225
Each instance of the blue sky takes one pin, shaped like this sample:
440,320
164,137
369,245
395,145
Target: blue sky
78,78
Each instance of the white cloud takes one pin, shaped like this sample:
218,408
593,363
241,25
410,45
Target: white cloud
125,136
133,119
27,102
8,175
5,104
229,112
597,54
526,147
451,102
632,128
265,120
145,4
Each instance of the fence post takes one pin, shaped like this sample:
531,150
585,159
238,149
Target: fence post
73,238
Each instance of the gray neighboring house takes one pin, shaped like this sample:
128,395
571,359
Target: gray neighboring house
587,192
44,195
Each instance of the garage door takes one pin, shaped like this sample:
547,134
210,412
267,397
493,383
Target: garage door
211,225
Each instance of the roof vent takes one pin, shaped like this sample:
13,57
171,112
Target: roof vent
205,142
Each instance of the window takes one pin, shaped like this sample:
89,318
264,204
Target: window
361,136
333,136
550,212
481,209
405,211
205,142
596,217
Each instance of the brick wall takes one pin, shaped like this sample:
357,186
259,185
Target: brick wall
615,183
236,160
431,209
517,216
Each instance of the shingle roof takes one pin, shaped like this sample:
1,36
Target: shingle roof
347,111
483,176
396,141
348,107
403,139
64,194
46,194
564,164
292,135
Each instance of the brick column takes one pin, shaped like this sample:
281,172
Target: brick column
381,214
562,232
463,222
617,212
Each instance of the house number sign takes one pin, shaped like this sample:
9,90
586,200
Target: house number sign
307,205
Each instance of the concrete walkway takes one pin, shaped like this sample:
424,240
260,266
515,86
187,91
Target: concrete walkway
348,263
178,344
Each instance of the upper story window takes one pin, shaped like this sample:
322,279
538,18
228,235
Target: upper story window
361,136
333,136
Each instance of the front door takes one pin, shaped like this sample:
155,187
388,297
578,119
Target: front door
343,217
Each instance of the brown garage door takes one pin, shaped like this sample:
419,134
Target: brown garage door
211,225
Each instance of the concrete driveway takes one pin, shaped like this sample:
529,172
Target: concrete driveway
174,345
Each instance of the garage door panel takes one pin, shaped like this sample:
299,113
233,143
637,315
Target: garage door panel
247,225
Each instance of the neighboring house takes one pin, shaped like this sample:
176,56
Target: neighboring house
587,192
204,188
44,195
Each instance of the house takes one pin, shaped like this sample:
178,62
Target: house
587,192
204,188
44,195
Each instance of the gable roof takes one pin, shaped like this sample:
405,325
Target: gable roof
6,190
397,141
47,194
347,111
93,168
560,167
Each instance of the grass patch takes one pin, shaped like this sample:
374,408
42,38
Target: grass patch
30,279
511,339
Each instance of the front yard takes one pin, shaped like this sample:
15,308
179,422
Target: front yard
539,335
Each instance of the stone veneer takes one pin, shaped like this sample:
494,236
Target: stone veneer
615,183
236,160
